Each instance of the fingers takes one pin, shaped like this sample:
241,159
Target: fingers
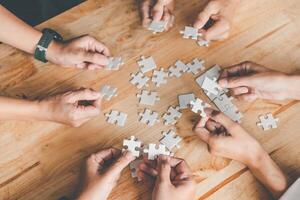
122,162
204,16
225,121
247,97
97,59
164,169
88,111
158,10
218,31
145,8
234,82
239,90
83,94
96,160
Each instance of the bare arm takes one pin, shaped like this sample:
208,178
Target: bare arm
16,33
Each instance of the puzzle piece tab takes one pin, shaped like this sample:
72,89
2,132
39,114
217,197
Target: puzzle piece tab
149,117
133,145
146,64
172,115
267,121
159,77
170,140
147,97
116,117
198,107
154,150
108,92
139,80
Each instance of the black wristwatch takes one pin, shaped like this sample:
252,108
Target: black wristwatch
46,39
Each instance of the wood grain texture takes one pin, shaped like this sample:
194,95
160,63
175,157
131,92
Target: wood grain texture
42,160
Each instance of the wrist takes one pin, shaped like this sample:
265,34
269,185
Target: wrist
293,81
44,110
54,51
257,157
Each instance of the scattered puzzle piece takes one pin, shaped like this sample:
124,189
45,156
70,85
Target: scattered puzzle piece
198,107
148,117
157,27
159,77
108,92
147,97
114,63
139,80
210,86
133,145
185,99
177,70
203,43
267,121
155,150
195,66
133,168
190,33
146,64
172,115
116,117
170,140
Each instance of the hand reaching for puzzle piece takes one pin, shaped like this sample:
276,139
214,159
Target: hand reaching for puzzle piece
171,177
157,10
249,81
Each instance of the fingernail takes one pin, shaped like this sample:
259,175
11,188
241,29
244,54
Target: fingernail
208,111
223,83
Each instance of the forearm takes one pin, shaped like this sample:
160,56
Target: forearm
268,173
17,109
16,33
293,87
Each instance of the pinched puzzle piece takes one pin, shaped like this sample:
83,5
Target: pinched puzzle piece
148,117
172,115
185,99
267,121
157,27
198,106
133,145
108,92
147,97
114,63
195,66
170,140
133,168
190,33
203,43
139,80
177,70
159,77
146,64
116,117
155,150
210,86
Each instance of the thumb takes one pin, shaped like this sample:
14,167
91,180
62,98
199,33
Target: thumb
233,82
95,58
83,94
121,163
164,169
205,15
158,10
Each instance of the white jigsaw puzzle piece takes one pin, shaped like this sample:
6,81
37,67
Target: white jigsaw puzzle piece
267,121
116,117
159,77
210,86
172,115
133,145
190,33
155,150
185,99
170,139
133,166
178,69
146,64
148,97
157,27
108,92
139,80
148,117
195,66
114,63
198,107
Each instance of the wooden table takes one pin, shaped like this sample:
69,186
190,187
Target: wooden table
42,160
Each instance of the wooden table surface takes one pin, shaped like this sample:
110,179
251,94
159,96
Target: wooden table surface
42,160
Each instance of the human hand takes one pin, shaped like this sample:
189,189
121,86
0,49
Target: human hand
72,108
220,14
227,138
249,81
84,52
101,173
158,10
171,177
